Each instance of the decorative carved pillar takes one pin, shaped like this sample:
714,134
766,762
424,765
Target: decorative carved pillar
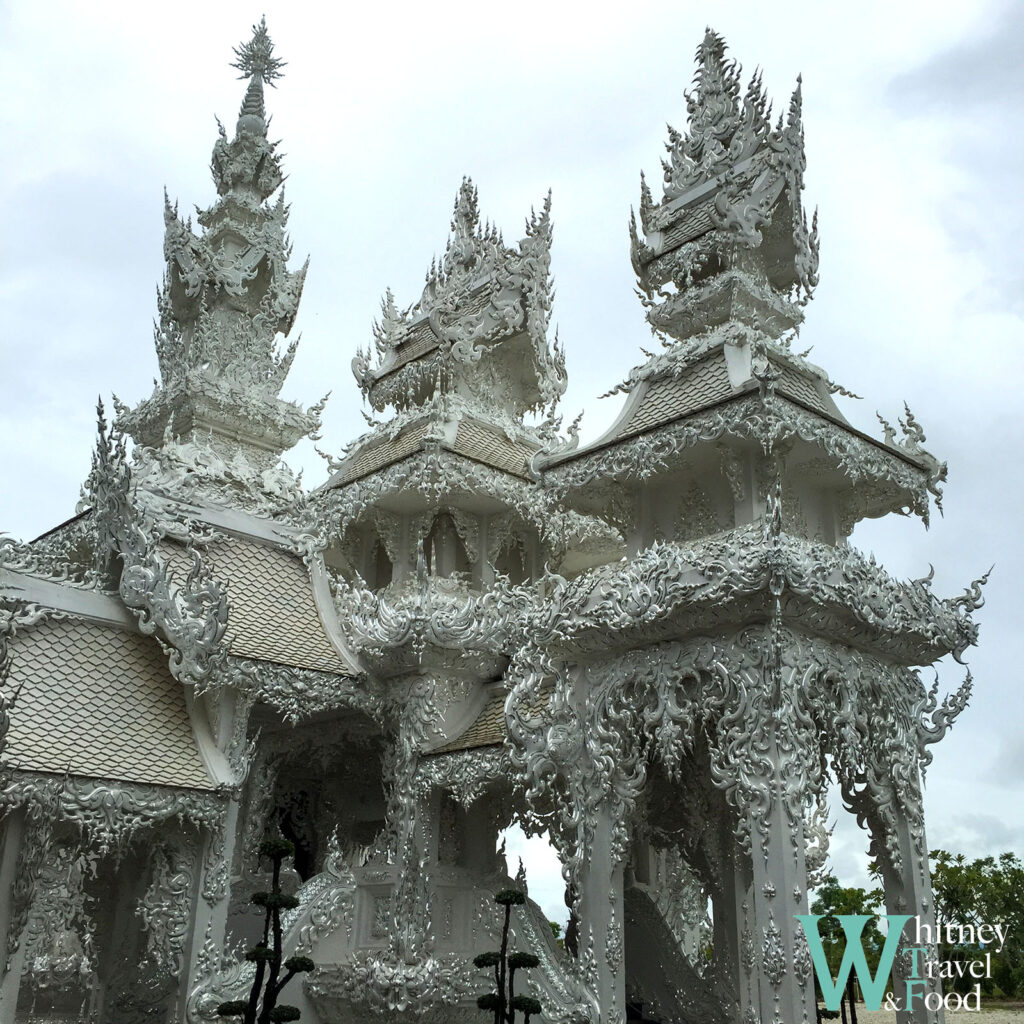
734,926
411,822
11,951
600,910
782,969
901,850
602,849
211,900
228,708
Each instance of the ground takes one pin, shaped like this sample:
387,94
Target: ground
993,1013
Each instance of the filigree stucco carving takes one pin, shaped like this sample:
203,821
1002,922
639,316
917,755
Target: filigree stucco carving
431,610
109,813
190,615
299,693
389,986
654,702
729,567
439,476
907,485
59,926
465,774
165,908
57,562
326,902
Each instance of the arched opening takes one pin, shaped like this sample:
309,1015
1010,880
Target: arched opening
512,561
381,571
443,549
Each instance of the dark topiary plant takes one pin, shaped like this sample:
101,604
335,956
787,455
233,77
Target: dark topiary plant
261,1007
504,1002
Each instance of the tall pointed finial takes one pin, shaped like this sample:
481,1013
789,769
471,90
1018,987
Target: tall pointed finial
724,178
256,57
257,62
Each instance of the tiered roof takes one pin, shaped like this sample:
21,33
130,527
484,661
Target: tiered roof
725,263
466,362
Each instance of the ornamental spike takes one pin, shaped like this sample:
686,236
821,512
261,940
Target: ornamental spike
256,58
796,104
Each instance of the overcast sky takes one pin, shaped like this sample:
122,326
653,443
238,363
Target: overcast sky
914,146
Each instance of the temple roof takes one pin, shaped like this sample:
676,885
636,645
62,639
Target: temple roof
464,435
488,729
273,613
710,380
99,702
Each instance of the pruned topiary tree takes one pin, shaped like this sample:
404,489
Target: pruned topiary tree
262,1007
503,1001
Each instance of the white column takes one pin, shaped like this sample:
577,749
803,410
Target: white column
601,939
10,849
782,966
211,900
908,890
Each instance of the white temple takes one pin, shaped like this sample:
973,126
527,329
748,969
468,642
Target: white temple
658,648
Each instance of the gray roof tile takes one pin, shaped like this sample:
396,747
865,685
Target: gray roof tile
101,703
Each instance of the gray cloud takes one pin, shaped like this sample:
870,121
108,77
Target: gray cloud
974,89
985,71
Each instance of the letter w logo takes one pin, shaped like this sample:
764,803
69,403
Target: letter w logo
853,957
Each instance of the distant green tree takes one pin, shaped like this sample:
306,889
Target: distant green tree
503,1001
986,891
262,1007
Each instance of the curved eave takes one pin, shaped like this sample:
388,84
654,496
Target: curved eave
465,438
573,472
832,620
664,594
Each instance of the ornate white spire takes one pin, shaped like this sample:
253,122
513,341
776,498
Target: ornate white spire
228,298
480,326
729,233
